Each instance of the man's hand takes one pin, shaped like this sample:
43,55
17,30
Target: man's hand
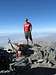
31,28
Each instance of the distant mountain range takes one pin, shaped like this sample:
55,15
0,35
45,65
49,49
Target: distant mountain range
13,37
20,37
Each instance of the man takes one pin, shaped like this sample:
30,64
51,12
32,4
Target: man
27,30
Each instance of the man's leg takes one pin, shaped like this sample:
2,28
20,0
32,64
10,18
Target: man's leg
26,37
30,36
27,41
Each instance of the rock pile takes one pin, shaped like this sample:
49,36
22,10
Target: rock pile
43,56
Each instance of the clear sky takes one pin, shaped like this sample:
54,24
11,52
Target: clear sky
41,13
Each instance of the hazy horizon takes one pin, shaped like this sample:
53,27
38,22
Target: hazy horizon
20,37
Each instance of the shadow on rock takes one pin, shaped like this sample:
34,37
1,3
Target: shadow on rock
35,71
26,49
28,52
41,71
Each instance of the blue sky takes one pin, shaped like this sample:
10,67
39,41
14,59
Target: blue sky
41,13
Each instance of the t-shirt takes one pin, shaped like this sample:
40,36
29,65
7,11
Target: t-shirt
27,26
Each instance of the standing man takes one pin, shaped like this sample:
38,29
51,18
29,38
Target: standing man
27,30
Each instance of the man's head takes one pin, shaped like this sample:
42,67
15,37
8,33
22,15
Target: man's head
26,19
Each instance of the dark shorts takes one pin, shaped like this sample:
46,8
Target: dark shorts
28,35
